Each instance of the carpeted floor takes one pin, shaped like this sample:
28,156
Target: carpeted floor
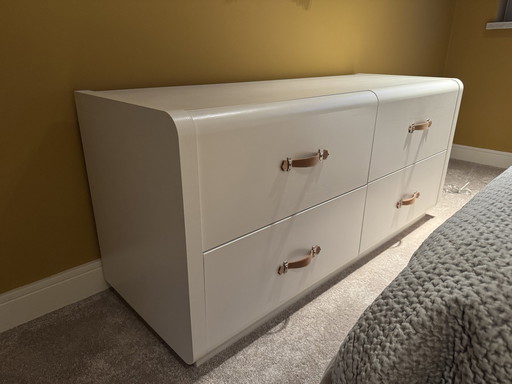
101,340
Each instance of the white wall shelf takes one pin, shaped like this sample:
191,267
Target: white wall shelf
499,25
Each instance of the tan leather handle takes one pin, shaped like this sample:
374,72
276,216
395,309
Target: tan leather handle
411,200
420,126
288,164
299,263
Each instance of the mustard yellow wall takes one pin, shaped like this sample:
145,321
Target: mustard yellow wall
482,59
50,48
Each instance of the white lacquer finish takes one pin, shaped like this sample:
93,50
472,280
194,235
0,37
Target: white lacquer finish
252,288
195,97
382,216
238,145
394,146
194,214
137,194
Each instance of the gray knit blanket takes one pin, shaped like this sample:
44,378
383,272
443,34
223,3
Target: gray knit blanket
447,317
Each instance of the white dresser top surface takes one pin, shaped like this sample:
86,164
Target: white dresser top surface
192,97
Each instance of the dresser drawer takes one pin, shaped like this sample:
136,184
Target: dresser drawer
241,150
430,107
242,283
383,213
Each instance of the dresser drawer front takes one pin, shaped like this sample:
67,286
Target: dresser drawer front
241,280
382,215
241,150
394,145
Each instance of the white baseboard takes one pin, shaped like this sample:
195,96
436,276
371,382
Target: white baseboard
33,300
481,156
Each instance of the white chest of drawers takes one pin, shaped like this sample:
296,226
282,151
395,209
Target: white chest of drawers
195,213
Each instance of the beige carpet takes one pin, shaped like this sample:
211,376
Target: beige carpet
101,340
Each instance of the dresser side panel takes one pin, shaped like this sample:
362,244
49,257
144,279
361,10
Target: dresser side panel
460,86
133,166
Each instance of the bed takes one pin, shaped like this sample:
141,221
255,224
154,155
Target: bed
447,317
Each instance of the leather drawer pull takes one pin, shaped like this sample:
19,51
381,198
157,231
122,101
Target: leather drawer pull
420,126
299,263
288,164
409,201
